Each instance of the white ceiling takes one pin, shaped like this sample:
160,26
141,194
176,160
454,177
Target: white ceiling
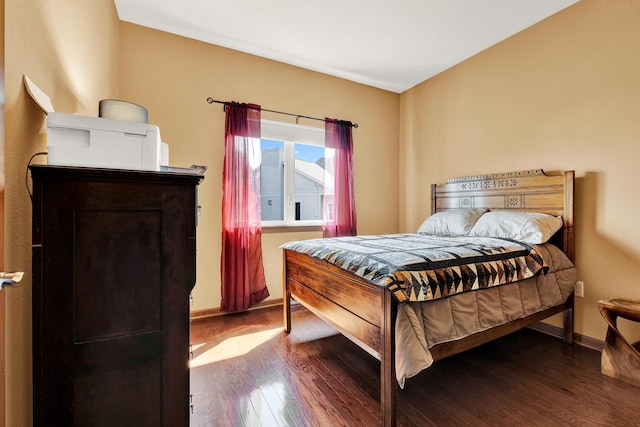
389,44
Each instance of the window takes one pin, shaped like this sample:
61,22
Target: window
292,175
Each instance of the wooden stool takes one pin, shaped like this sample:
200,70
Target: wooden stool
620,359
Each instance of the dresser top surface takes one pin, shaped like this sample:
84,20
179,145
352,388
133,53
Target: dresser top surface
193,174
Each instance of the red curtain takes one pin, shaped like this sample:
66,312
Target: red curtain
242,271
339,216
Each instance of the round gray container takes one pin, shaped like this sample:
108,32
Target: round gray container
115,109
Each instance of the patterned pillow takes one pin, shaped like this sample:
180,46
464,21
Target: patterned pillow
457,222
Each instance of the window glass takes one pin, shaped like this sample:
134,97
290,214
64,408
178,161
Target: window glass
292,174
272,180
308,182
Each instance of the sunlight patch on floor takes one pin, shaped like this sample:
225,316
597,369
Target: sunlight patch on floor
232,347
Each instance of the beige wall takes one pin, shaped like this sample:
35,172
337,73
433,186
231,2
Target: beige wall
69,48
172,76
564,94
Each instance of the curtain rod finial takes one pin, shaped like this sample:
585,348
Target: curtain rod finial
210,100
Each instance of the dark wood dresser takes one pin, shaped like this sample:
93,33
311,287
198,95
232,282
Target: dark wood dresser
113,265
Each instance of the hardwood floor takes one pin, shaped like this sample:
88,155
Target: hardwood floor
247,372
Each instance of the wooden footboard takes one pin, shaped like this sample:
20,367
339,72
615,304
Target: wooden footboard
351,305
363,312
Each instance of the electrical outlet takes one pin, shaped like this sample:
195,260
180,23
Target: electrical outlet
579,289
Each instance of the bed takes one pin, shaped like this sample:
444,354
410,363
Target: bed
371,316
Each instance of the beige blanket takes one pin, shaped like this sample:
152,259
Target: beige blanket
419,326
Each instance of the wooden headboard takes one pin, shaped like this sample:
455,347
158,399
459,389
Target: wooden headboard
528,191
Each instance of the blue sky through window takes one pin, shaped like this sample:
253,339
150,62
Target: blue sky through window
308,153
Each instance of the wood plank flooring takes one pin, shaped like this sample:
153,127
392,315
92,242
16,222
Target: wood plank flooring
247,372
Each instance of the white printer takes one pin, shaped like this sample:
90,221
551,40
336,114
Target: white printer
74,140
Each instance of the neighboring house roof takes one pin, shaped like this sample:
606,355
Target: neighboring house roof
312,171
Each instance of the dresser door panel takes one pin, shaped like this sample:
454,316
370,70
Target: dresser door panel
112,278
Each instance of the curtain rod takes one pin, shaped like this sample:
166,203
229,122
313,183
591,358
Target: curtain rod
297,116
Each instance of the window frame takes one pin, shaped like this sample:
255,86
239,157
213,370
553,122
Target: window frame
290,134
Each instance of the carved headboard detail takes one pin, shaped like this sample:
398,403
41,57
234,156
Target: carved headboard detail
527,191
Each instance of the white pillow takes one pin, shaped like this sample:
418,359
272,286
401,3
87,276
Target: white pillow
527,227
456,222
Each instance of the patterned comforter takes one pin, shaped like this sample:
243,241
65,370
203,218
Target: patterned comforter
417,267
